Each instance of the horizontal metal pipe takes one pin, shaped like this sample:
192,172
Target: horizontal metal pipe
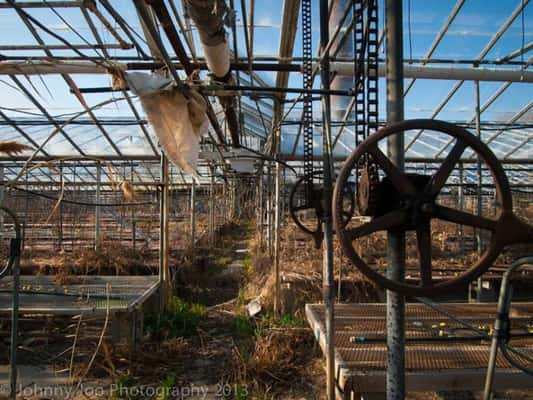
273,59
447,73
48,4
25,47
63,121
342,68
283,157
217,90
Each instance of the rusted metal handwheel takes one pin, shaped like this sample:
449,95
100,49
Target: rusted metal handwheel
314,201
414,206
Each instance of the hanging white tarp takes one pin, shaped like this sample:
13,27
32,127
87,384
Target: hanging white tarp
177,121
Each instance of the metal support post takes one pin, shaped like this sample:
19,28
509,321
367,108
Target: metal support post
328,279
395,381
2,194
133,231
233,197
211,228
269,210
193,218
224,203
97,207
277,229
60,233
14,255
461,200
261,210
14,324
164,272
479,246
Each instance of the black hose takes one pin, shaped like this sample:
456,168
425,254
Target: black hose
82,203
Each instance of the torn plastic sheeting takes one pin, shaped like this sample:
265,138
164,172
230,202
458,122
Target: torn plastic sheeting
177,121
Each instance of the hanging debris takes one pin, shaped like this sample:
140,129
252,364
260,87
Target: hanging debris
13,147
178,119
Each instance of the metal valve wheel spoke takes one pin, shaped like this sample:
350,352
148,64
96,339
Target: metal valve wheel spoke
386,222
398,179
445,170
423,239
464,218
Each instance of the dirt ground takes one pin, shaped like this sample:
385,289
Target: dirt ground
205,346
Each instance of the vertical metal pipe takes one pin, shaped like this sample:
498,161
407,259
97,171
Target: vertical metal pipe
14,321
212,206
261,210
133,220
269,209
60,234
395,381
327,260
26,209
163,232
193,217
479,210
2,194
14,255
461,207
233,196
277,232
97,207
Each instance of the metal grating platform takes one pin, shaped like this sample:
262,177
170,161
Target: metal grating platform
78,294
440,355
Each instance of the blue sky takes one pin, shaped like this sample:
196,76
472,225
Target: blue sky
470,32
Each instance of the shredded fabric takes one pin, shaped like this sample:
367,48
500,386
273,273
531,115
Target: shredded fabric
177,121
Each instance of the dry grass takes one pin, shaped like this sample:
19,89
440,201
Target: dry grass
281,363
13,147
128,191
108,260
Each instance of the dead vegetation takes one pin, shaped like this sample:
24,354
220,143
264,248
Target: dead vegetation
265,357
13,148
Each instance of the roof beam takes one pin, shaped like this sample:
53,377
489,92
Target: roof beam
289,24
47,4
124,92
438,39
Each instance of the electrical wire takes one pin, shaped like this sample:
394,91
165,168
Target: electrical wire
81,203
72,28
51,33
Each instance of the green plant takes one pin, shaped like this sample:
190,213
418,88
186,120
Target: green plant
243,327
223,260
179,320
244,391
166,386
270,320
119,390
290,321
248,265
